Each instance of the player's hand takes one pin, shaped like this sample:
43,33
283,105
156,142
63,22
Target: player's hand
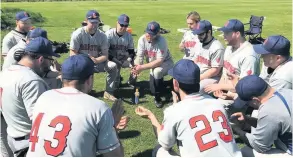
138,69
123,123
93,59
233,78
117,111
143,112
224,96
239,116
212,88
175,97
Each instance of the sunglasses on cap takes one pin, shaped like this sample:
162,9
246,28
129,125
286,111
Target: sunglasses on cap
123,25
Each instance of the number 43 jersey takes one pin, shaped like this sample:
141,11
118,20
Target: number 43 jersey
67,122
200,126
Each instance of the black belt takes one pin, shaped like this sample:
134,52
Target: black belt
20,138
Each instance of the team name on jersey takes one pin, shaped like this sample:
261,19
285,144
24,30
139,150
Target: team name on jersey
189,44
151,53
203,60
229,67
118,47
89,47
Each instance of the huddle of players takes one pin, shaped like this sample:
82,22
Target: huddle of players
208,68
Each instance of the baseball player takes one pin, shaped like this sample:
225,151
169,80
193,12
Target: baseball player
198,123
86,130
210,58
239,59
273,124
121,48
190,43
92,41
21,86
277,67
23,25
154,47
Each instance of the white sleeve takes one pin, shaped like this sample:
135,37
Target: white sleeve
7,44
104,45
75,41
217,58
140,51
249,66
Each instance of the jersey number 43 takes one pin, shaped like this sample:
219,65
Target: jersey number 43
198,135
60,136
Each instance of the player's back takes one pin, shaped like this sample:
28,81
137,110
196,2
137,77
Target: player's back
203,128
70,123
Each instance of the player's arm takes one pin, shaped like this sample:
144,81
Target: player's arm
181,45
217,60
74,44
131,48
30,93
108,144
104,51
6,46
152,64
140,52
249,66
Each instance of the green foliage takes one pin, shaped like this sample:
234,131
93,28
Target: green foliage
8,17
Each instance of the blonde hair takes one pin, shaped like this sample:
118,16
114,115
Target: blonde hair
193,16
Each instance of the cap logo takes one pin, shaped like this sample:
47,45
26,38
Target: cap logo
25,14
227,23
94,15
125,19
152,27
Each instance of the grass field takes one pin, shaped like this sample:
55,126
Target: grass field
138,139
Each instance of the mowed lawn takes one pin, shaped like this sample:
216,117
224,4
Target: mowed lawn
138,139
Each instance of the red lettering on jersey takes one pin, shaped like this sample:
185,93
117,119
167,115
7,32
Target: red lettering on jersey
189,44
249,72
218,60
229,67
151,54
201,59
162,127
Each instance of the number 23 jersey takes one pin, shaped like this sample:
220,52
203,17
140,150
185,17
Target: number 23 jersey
199,125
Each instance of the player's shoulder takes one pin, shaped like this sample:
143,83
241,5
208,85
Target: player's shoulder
142,38
217,44
78,32
8,36
111,32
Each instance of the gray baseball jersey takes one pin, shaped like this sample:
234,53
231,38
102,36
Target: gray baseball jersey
200,126
96,45
21,87
191,44
10,40
242,62
85,130
9,60
158,49
281,77
209,56
274,124
119,45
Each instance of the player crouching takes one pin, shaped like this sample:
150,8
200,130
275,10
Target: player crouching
154,47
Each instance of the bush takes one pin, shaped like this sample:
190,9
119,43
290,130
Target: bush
8,18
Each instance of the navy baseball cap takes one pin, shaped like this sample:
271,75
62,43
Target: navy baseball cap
93,16
202,27
233,25
77,67
37,32
277,44
22,16
40,46
153,28
248,87
185,71
123,19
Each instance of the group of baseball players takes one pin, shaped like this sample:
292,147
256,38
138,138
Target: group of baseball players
46,109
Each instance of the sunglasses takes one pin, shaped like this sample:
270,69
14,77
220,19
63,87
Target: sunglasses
123,25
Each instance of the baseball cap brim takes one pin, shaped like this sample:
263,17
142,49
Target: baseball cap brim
150,32
25,18
259,49
197,32
239,103
123,23
94,20
225,29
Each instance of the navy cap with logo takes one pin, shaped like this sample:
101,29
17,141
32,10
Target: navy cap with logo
93,16
40,46
233,25
277,44
249,87
22,16
202,27
123,19
77,67
185,71
37,32
153,28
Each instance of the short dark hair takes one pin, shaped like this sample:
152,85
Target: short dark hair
189,88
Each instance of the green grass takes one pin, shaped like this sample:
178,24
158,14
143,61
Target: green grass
63,16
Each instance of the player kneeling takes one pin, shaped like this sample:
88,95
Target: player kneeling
68,122
197,123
